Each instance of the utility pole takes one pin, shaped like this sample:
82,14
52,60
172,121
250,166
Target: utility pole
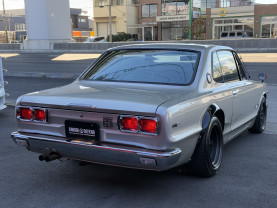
110,20
9,34
5,21
190,17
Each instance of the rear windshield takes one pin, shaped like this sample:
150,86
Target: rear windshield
146,66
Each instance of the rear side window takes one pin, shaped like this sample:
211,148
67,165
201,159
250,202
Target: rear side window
146,66
228,65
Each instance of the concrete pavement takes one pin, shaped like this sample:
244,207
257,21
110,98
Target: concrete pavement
247,178
47,65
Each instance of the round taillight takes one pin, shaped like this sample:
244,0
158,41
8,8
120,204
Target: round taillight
39,115
130,123
148,125
25,113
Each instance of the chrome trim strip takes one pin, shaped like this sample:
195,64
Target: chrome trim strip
156,154
81,105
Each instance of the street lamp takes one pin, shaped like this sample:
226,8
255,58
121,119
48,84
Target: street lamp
5,21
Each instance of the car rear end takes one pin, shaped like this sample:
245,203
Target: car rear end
84,134
110,117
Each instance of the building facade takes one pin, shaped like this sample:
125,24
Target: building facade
81,27
16,25
124,14
164,20
258,21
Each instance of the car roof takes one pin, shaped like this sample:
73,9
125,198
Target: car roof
170,46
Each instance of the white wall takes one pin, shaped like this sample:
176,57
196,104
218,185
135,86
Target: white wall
132,17
48,20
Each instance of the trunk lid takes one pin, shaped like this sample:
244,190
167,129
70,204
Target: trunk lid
102,97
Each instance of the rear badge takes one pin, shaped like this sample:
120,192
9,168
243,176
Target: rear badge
108,122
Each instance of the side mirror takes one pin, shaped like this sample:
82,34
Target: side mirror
262,77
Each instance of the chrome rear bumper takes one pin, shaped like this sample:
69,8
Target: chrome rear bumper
117,155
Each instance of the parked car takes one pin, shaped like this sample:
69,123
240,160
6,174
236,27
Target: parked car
95,39
2,87
233,35
147,106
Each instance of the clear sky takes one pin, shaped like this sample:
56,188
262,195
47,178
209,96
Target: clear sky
19,4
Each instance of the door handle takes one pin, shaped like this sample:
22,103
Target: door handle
235,92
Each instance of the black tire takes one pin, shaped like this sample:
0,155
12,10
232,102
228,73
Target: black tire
260,121
207,157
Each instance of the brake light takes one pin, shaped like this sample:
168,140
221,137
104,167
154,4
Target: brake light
148,125
40,115
129,123
31,114
25,113
138,124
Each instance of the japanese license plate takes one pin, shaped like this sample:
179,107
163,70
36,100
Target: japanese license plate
81,130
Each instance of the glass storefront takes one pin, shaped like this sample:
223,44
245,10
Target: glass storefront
269,27
175,30
233,24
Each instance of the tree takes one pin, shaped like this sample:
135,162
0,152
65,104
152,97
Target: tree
198,29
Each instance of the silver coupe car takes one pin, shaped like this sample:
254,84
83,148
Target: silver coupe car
147,106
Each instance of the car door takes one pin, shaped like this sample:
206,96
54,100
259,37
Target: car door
222,95
248,95
242,89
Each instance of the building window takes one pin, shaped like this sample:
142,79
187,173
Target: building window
117,2
245,24
175,7
269,27
82,20
100,3
149,10
20,27
135,2
225,3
